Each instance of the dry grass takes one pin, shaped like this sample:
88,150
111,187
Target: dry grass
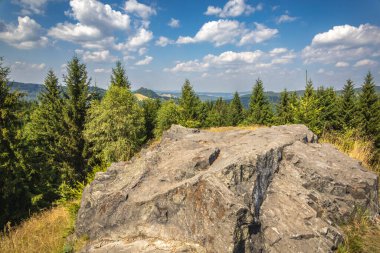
231,128
43,232
140,97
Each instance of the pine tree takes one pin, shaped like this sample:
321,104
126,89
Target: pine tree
260,111
119,77
347,105
45,144
76,105
369,110
115,129
168,114
190,106
284,109
15,199
235,111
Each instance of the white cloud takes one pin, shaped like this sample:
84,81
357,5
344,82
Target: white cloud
28,66
174,23
236,60
163,41
342,64
233,8
260,34
365,63
29,7
142,10
27,34
101,70
145,61
223,32
96,56
141,38
343,43
75,32
278,50
142,51
96,14
285,19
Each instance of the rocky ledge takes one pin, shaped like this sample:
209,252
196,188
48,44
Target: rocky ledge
269,190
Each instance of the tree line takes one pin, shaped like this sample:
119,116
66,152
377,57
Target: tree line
48,147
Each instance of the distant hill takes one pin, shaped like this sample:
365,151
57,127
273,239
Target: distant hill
32,90
147,93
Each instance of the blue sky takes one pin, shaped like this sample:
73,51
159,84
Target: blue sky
218,45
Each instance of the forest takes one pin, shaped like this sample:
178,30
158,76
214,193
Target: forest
50,149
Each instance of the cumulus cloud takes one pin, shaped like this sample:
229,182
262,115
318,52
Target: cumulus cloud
285,19
344,43
101,70
27,66
233,8
75,32
29,7
141,10
96,14
365,63
27,34
96,56
230,59
223,32
145,61
174,23
163,41
141,37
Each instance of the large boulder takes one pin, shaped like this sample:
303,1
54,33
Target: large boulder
269,190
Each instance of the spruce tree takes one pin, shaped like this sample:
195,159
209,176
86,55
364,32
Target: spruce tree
151,107
15,197
45,143
235,111
217,115
328,106
284,109
260,111
190,106
369,110
347,105
119,77
76,105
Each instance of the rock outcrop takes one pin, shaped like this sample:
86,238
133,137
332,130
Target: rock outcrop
269,190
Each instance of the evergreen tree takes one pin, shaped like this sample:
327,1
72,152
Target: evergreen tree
115,128
369,110
217,115
44,141
307,111
15,198
119,77
190,106
284,109
151,107
328,106
168,114
235,112
76,105
260,111
347,105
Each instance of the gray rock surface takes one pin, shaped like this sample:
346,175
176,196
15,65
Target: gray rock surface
269,190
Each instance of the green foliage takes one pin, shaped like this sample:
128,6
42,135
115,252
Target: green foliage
260,111
151,107
76,105
284,109
119,77
115,127
15,199
329,114
235,111
190,105
348,105
217,116
168,114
